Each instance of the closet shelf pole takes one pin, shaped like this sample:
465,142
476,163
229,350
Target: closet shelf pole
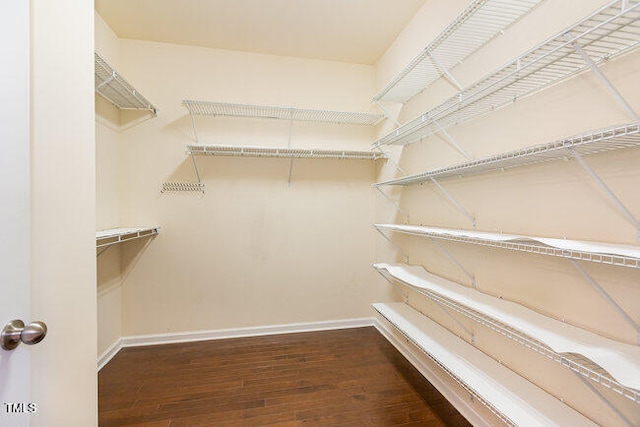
394,244
603,79
608,192
395,205
604,400
455,261
443,70
455,202
603,293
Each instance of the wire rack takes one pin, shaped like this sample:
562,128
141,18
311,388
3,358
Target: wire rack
611,31
244,151
379,308
530,246
116,89
474,27
182,186
118,235
609,139
576,362
282,113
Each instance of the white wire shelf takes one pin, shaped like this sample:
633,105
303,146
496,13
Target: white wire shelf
506,394
603,253
113,236
568,345
609,32
117,90
177,186
205,108
609,139
297,153
473,28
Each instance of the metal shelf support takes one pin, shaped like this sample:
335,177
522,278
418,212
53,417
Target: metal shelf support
595,285
450,140
604,400
394,204
608,192
387,113
444,71
455,202
603,79
394,244
455,261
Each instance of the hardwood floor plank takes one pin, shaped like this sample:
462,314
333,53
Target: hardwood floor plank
341,377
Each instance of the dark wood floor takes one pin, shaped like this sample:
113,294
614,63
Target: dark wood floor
343,377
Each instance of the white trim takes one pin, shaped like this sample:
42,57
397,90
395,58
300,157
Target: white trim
433,376
181,337
109,353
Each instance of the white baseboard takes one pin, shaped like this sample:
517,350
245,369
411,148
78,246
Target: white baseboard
435,377
109,353
181,337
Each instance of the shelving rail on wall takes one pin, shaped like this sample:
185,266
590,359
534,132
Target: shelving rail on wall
113,87
609,32
609,363
107,238
511,398
592,142
479,23
291,114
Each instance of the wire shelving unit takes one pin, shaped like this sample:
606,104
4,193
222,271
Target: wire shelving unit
608,139
480,22
574,361
288,153
504,393
205,108
609,32
113,87
619,255
113,236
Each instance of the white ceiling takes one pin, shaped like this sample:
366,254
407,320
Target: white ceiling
355,31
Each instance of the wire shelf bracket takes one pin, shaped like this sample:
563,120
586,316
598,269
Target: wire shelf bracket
609,32
392,243
395,205
455,202
608,192
455,261
582,366
604,400
114,88
605,295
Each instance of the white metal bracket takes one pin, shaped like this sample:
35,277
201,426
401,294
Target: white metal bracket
603,79
604,400
289,146
394,244
595,285
608,192
455,261
455,202
469,332
193,125
394,204
393,162
388,114
450,140
445,72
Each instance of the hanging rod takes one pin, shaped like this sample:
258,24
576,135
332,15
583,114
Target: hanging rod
608,33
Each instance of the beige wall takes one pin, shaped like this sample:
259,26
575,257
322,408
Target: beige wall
556,199
253,251
108,196
63,212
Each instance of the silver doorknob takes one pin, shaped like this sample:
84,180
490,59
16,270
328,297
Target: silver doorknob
15,332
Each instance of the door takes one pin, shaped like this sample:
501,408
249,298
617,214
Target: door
14,206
